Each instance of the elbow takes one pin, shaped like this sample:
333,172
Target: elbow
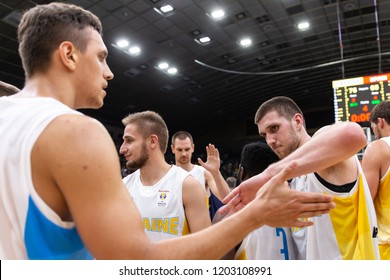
355,136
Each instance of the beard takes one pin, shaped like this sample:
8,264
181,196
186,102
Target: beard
184,160
139,162
292,145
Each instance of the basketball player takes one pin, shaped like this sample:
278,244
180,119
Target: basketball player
376,167
265,243
327,164
207,173
171,202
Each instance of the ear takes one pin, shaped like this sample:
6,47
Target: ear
298,120
153,140
68,55
381,123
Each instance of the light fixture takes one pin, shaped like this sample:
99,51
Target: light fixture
165,10
166,68
303,25
123,43
135,50
203,40
217,14
172,71
163,65
245,42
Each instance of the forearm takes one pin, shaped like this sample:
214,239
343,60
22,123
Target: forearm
221,185
330,146
211,243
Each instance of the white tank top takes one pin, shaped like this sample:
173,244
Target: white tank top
160,205
198,172
348,231
29,228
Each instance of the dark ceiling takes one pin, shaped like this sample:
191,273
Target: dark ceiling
222,84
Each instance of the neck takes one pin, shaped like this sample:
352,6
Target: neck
42,85
154,171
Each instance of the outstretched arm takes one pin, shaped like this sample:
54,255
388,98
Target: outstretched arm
108,220
329,147
214,179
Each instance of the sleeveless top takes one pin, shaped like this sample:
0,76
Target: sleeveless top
160,205
29,228
349,231
382,208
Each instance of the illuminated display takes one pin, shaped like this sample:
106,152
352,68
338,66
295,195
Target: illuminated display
354,98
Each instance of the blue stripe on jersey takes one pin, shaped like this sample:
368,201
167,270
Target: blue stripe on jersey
46,240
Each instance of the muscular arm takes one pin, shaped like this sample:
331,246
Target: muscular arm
195,206
372,161
328,150
76,168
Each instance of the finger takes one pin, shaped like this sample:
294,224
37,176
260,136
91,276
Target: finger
301,223
232,203
314,213
314,197
216,152
201,162
231,195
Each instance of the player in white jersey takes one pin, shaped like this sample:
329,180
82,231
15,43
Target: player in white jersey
331,154
62,197
168,197
207,173
354,213
265,243
376,167
24,215
160,205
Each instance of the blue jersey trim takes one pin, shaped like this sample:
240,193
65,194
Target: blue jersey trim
46,240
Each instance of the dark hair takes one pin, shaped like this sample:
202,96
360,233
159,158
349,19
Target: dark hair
182,135
381,110
43,28
149,123
256,157
7,89
283,105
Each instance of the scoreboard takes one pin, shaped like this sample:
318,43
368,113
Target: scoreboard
354,98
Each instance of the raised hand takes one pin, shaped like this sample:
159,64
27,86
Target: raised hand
213,162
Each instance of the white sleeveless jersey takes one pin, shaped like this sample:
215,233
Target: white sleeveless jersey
29,228
160,205
198,172
267,243
348,231
382,207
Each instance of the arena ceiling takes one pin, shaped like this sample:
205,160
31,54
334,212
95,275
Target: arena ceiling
221,82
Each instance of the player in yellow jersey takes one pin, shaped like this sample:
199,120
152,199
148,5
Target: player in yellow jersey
327,164
376,167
